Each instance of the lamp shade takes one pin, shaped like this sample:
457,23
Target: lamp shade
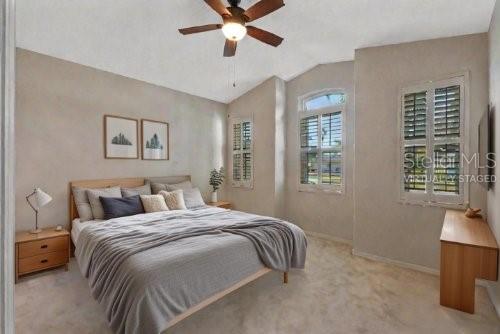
41,198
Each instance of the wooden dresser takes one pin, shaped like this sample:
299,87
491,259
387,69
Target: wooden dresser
35,252
468,251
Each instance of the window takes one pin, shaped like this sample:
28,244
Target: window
321,119
242,153
432,132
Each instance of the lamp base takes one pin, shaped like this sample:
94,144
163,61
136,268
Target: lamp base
36,231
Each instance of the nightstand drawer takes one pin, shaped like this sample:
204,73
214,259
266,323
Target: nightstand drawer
32,248
43,261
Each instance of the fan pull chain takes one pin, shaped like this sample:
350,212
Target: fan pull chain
231,79
234,72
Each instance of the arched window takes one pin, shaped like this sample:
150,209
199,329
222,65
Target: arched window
321,131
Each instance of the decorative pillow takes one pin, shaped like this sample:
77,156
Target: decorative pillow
153,203
142,190
115,207
174,199
157,187
95,203
82,204
193,198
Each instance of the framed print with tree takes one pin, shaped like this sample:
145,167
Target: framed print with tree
155,141
121,137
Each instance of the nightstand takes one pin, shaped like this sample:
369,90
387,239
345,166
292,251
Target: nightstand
36,252
221,204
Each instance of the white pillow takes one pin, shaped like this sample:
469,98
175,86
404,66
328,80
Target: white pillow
193,198
82,204
174,199
95,202
154,203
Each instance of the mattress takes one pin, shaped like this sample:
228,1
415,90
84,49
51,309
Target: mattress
78,227
147,269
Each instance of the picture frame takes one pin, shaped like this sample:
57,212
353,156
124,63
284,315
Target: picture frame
121,137
155,140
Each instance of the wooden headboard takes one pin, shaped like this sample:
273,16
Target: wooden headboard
124,183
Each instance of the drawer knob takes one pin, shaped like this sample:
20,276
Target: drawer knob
44,261
44,246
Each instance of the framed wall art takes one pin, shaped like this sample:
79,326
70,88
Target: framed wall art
121,137
155,140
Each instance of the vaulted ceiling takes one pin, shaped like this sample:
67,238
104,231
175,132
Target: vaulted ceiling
139,38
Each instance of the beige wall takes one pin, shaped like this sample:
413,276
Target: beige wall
493,195
384,227
264,105
330,214
59,131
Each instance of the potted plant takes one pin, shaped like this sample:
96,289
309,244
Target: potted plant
216,179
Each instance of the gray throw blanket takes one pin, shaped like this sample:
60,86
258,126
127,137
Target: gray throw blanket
141,267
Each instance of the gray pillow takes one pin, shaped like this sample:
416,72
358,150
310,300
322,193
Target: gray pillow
95,203
157,187
182,185
82,204
192,198
142,190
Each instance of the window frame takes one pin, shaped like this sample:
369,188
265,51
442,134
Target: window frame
429,197
302,114
245,184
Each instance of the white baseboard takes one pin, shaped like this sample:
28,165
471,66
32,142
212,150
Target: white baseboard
401,264
328,237
495,299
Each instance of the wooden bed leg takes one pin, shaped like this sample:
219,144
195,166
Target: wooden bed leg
285,278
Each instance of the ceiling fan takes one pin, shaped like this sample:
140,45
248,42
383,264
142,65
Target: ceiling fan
235,19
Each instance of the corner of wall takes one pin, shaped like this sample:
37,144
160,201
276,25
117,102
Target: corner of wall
280,148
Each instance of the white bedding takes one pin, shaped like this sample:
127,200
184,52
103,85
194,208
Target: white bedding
78,226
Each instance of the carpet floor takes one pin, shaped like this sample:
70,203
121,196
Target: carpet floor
337,293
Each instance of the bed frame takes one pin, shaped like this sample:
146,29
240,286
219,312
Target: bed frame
137,182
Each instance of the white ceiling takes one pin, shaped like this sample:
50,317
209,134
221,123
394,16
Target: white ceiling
139,38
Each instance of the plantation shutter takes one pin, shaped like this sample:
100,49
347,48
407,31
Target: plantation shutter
246,147
447,112
414,168
447,105
432,142
331,144
415,115
242,153
309,129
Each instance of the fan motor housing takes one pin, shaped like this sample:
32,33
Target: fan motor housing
237,16
234,3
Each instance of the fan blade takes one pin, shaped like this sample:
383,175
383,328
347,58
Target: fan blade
219,7
264,36
262,8
230,48
194,30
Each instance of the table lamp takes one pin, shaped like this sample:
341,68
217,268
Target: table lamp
41,199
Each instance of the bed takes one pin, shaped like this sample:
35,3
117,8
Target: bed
150,271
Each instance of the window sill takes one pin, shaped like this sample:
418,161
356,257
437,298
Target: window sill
242,187
331,191
434,204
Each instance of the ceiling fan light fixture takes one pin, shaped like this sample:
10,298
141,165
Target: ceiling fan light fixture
234,31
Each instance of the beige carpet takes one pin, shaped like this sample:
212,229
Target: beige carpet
337,293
